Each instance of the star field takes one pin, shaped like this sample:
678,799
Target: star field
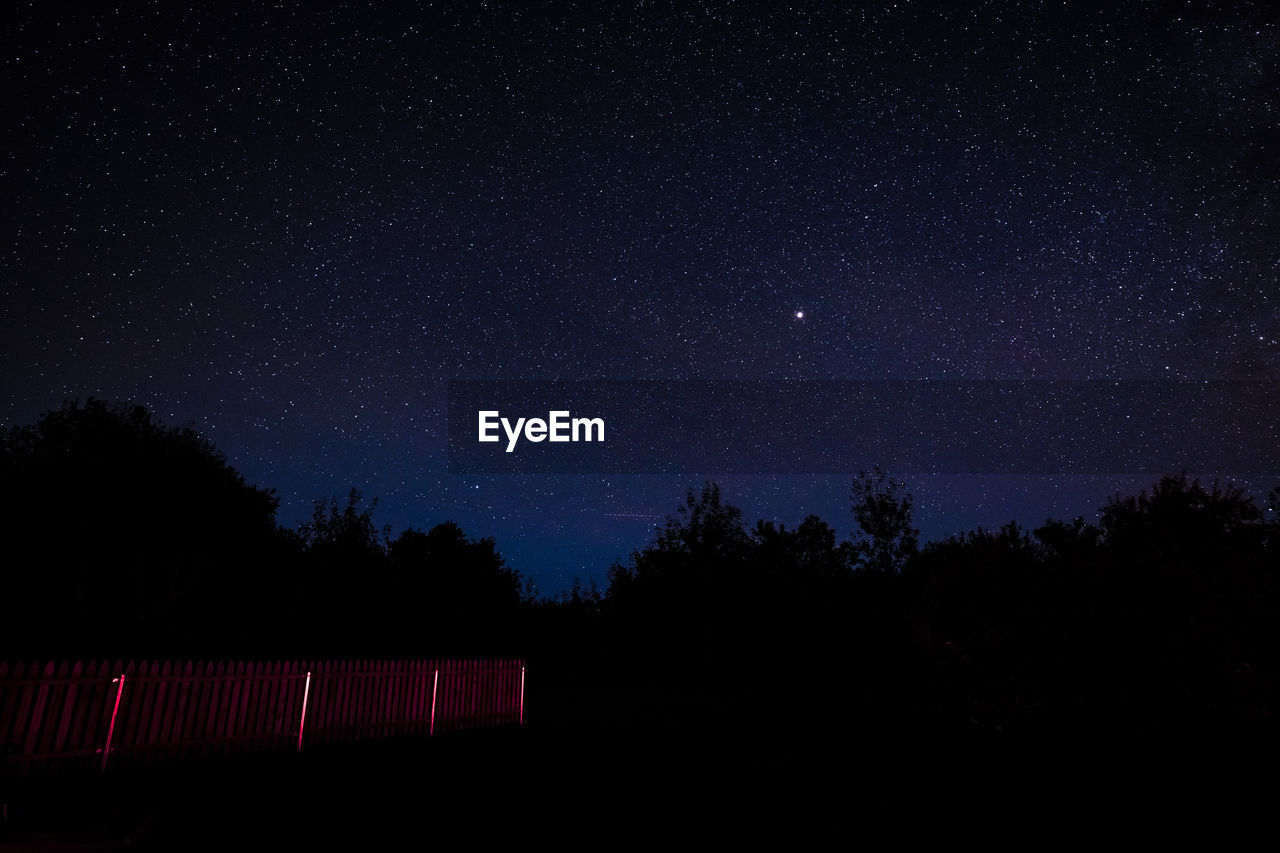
293,224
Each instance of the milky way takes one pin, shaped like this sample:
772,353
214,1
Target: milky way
292,226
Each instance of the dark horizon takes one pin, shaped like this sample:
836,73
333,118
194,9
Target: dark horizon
1028,500
1257,487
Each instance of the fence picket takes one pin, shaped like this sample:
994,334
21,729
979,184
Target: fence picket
203,694
34,707
222,690
348,717
167,708
318,710
79,736
282,705
132,705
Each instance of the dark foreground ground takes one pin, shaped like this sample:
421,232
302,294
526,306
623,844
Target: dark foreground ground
600,770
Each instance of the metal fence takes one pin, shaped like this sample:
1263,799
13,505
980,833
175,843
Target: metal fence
57,715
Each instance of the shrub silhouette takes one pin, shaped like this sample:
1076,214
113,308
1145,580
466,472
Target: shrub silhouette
123,532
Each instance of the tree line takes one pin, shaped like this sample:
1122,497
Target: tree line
1159,616
127,537
124,537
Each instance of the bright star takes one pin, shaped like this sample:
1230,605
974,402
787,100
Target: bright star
799,315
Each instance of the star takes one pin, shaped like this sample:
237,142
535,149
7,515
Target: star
799,315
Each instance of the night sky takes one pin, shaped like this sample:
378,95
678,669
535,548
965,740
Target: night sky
291,225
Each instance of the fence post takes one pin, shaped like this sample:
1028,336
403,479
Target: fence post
111,729
435,682
302,722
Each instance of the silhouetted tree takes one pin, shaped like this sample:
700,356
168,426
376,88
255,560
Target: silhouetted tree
125,536
343,580
705,534
1069,543
348,533
883,509
584,597
804,556
455,589
683,584
693,553
980,616
1185,602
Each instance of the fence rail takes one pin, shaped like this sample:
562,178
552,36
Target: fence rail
56,715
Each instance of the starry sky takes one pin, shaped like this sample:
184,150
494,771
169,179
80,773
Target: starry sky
292,224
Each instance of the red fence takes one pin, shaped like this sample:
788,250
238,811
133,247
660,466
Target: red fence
57,715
